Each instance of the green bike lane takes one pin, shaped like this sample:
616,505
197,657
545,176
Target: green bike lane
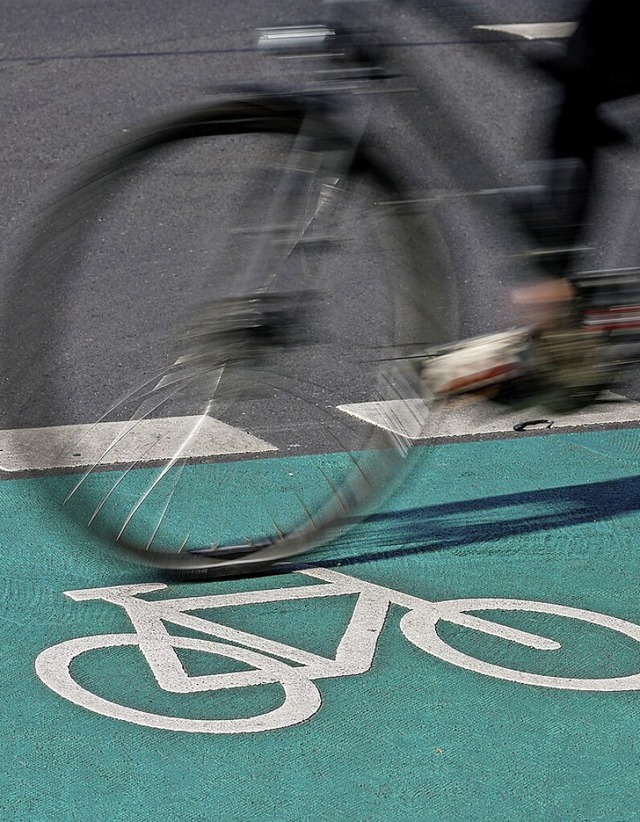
397,732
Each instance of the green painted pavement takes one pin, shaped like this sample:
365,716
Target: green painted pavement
553,519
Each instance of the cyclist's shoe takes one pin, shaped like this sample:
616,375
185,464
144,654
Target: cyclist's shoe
563,365
476,365
567,368
562,369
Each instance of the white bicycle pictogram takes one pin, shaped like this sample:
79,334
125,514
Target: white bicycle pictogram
294,669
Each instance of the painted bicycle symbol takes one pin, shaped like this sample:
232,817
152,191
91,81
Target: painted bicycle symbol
293,669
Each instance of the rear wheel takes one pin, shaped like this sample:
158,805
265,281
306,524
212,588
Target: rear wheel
241,304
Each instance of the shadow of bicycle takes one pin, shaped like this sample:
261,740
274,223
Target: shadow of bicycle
480,521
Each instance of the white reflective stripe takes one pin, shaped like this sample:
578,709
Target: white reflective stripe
534,31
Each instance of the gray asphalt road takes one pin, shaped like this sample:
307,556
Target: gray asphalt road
76,76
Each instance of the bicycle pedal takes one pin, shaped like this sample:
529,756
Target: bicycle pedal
243,328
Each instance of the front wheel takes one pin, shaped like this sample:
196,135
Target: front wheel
231,295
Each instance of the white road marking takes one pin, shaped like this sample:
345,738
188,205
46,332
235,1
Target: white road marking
467,417
77,446
295,670
73,446
535,31
405,417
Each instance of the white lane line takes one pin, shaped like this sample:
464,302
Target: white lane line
535,31
466,417
74,446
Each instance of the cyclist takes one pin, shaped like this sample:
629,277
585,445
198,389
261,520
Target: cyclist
558,364
600,64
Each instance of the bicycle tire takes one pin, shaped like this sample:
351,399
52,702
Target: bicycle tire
64,290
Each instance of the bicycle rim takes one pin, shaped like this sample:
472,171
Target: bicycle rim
216,331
